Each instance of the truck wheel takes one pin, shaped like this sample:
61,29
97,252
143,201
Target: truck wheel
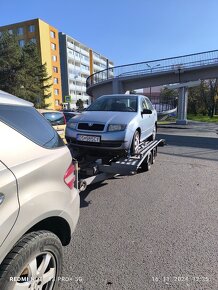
154,133
146,164
154,154
35,262
135,143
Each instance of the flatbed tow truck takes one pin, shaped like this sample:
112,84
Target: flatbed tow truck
93,170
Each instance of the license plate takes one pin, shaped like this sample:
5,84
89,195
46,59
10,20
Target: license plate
86,138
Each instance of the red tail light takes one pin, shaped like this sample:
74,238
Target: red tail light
69,177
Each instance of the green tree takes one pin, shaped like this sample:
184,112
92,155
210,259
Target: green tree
201,99
33,78
211,96
10,63
169,96
23,75
194,101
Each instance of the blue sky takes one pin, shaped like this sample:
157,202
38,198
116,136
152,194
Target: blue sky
127,31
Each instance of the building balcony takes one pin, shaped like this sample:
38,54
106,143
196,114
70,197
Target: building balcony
85,52
70,45
84,61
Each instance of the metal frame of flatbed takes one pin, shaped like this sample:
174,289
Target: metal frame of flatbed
96,171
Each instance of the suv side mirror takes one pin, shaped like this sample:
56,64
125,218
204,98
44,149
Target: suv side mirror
146,112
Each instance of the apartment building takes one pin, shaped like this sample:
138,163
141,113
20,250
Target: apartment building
77,63
46,38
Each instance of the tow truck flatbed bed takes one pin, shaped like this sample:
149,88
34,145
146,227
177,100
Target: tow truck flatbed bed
94,170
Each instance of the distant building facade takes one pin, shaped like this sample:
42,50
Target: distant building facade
68,61
45,37
77,63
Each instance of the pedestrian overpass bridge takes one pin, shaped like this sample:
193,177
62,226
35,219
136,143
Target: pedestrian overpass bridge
175,70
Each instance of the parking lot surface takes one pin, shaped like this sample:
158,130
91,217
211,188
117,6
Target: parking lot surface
153,230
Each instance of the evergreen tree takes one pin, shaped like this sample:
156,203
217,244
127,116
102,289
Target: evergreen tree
33,77
10,63
21,71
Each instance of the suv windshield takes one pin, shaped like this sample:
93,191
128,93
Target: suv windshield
55,118
113,103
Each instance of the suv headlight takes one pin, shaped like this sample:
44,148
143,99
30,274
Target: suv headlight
116,127
72,125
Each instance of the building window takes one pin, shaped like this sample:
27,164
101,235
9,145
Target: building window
85,67
33,40
21,42
20,31
55,80
96,54
55,69
10,31
31,28
57,102
54,57
52,34
53,46
56,92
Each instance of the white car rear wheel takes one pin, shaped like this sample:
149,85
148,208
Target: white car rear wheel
34,263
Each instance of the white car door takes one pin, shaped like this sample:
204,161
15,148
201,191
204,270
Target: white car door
9,206
153,116
146,123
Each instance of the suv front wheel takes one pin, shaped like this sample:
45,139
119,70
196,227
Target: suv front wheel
35,262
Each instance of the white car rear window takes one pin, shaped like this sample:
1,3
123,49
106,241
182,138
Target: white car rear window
30,123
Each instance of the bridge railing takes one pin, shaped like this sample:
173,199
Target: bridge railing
163,103
176,64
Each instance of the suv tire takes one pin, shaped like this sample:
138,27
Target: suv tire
36,260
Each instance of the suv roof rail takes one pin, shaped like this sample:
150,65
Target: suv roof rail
8,99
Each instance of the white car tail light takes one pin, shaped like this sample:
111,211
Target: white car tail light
69,177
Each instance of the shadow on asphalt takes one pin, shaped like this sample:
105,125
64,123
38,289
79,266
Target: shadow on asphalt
192,146
85,193
190,141
91,187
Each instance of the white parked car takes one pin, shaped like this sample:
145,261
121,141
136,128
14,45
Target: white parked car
39,202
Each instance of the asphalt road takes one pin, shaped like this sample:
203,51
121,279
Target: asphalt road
154,230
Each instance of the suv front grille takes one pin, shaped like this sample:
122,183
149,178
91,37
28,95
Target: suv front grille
91,126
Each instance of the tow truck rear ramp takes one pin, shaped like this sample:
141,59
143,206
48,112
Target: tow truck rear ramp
94,170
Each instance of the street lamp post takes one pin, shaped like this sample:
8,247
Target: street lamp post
151,68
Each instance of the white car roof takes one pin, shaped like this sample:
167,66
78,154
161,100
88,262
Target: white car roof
8,99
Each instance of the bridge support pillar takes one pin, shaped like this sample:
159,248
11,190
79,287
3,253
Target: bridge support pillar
182,106
117,86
